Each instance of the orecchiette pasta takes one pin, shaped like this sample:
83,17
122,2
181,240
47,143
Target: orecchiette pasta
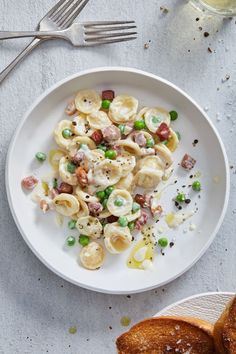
88,101
107,173
92,256
90,226
119,202
164,153
99,120
123,108
126,183
148,177
81,126
76,143
130,147
66,204
117,238
127,163
85,196
173,141
58,134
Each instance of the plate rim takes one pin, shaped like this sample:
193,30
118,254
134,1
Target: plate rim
152,76
182,301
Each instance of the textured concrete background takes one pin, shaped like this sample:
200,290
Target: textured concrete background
37,307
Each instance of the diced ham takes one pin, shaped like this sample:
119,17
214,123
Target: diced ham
141,221
70,108
81,176
95,208
139,138
140,199
163,132
78,158
108,95
188,162
112,218
53,193
97,137
65,188
29,182
111,133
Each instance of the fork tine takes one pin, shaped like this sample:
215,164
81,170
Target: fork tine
72,13
58,14
112,35
100,42
105,23
108,29
55,8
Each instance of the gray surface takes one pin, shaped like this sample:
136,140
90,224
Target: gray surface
37,307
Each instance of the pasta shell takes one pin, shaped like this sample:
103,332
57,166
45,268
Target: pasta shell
117,238
154,117
66,204
85,196
150,161
84,210
148,177
134,216
141,113
130,147
92,256
123,108
80,126
54,158
173,141
99,120
60,140
125,197
65,175
164,153
88,101
75,144
127,163
126,183
107,173
90,226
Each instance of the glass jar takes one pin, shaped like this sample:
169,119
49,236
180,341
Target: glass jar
220,7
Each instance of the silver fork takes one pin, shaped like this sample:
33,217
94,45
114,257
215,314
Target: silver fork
85,34
59,17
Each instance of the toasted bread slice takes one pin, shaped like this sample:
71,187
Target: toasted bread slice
168,335
225,330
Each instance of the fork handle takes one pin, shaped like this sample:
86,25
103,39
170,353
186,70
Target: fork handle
21,34
20,57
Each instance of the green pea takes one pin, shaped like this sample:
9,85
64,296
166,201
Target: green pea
150,143
139,124
102,147
131,226
123,221
180,198
178,135
41,156
54,183
110,154
196,186
165,142
106,104
104,203
173,115
135,207
70,241
101,195
71,167
66,133
109,190
119,202
122,128
163,242
71,224
83,240
156,120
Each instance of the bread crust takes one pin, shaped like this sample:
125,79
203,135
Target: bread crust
167,334
225,330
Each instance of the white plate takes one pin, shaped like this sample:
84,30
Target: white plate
202,306
47,240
